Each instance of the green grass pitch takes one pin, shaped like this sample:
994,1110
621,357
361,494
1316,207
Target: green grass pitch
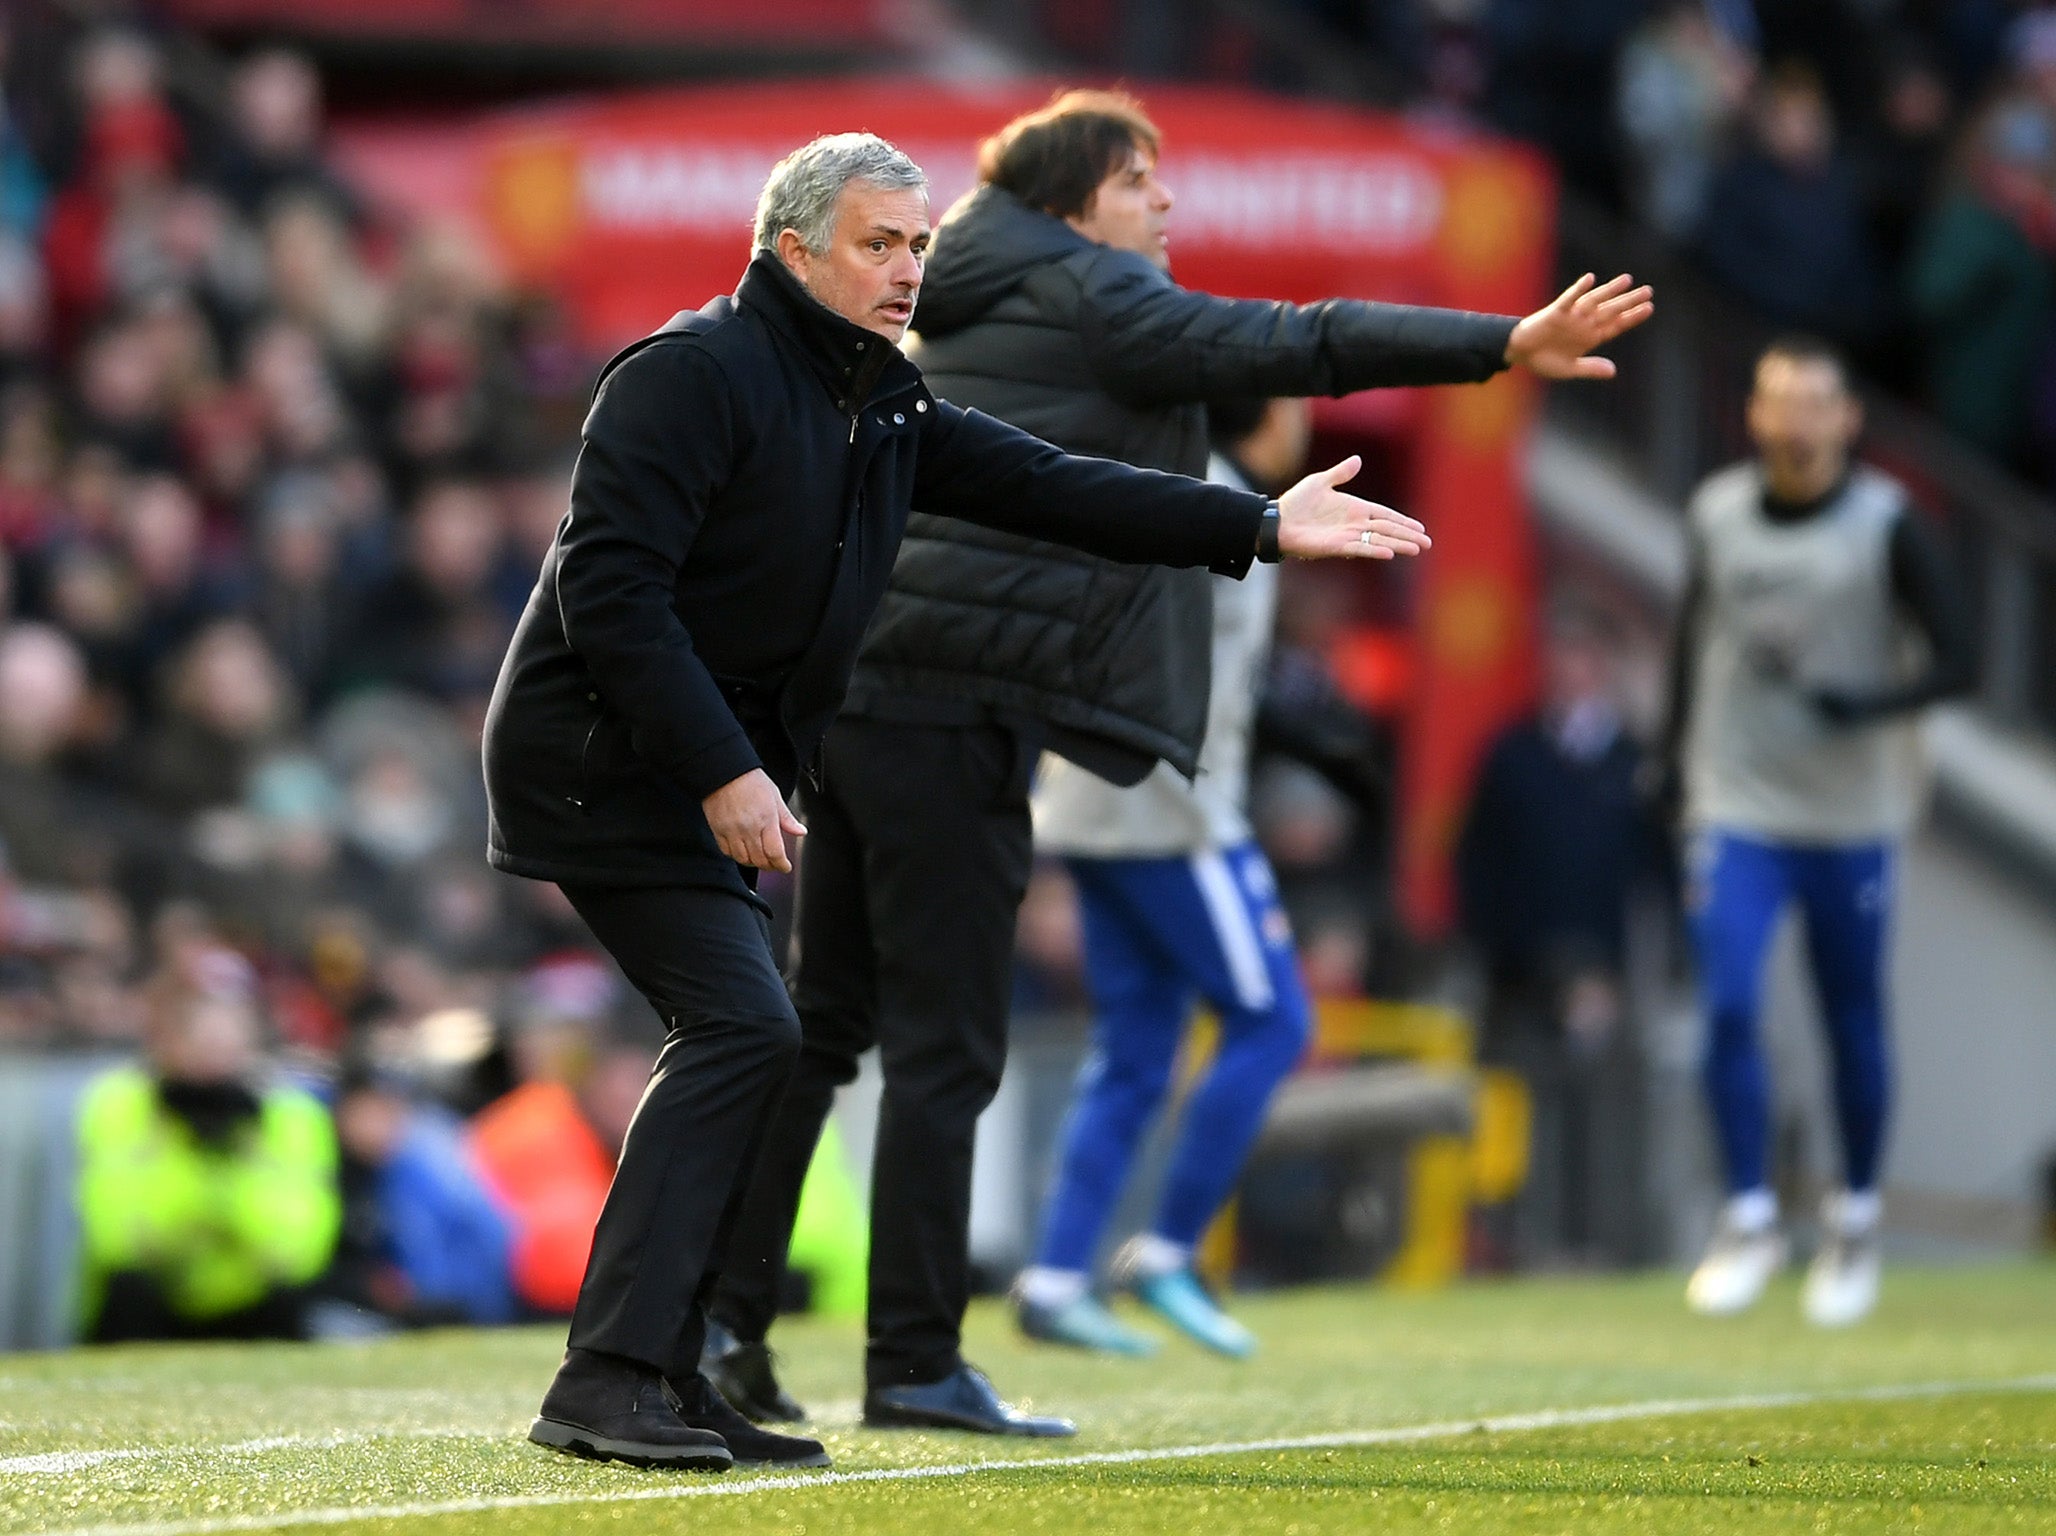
1586,1406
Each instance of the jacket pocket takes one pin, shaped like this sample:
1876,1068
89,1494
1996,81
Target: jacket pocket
606,755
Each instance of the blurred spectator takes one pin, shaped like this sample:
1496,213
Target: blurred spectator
1785,226
24,314
1906,151
1551,849
435,625
536,504
1547,61
130,148
31,459
1683,85
274,148
124,396
177,594
319,282
423,1241
22,188
408,795
303,414
301,592
1305,823
96,482
226,705
207,1189
273,863
1979,281
182,239
42,686
448,392
548,1148
553,371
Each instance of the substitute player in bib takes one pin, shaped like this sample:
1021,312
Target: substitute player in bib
1820,620
1178,905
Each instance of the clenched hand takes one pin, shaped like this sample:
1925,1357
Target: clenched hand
751,823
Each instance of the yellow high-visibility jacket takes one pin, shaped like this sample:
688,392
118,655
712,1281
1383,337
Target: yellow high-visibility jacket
218,1227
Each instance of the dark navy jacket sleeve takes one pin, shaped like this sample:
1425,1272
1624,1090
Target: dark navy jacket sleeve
657,448
1926,587
1151,342
978,468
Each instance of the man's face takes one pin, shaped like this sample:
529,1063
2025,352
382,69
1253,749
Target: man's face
1130,210
871,272
1802,417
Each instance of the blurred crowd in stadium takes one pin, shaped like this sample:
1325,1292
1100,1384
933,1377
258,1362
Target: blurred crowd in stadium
1880,174
276,475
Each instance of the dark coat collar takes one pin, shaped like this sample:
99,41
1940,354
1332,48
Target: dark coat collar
986,246
850,360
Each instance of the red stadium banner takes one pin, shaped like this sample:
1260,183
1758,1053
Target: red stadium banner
634,206
788,24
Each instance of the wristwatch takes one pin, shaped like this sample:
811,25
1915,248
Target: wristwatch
1267,534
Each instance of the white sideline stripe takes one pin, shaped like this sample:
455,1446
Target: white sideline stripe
1402,1434
79,1461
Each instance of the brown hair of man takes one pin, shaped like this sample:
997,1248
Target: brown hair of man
1800,348
1055,157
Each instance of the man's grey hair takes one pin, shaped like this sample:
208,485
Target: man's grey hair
801,194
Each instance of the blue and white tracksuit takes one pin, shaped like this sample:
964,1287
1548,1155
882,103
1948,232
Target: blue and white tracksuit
1741,885
1790,808
1179,907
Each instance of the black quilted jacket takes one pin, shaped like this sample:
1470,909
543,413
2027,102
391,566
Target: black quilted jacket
1099,352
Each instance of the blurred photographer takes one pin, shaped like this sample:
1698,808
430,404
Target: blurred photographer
424,1243
207,1187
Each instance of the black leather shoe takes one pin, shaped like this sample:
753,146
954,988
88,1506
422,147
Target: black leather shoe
742,1373
962,1400
605,1408
704,1408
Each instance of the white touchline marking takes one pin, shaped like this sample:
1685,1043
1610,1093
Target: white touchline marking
1399,1434
60,1462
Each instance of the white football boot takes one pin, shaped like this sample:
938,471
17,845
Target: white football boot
1842,1281
1739,1264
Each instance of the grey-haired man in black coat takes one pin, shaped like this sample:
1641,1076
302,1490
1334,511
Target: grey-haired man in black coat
740,494
1050,305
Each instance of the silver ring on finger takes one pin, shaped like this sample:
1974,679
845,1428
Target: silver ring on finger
1364,538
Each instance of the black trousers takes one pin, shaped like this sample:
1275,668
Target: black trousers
703,959
916,861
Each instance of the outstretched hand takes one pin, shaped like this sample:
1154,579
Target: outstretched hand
1318,521
1554,340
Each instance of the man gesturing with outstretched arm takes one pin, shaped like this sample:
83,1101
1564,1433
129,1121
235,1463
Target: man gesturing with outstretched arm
741,490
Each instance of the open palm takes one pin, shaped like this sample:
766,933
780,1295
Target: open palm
1321,521
1554,342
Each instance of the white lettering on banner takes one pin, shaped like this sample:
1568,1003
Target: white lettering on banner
662,186
1377,202
655,188
1353,202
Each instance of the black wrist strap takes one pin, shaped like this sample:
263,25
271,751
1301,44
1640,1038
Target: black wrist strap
1267,534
